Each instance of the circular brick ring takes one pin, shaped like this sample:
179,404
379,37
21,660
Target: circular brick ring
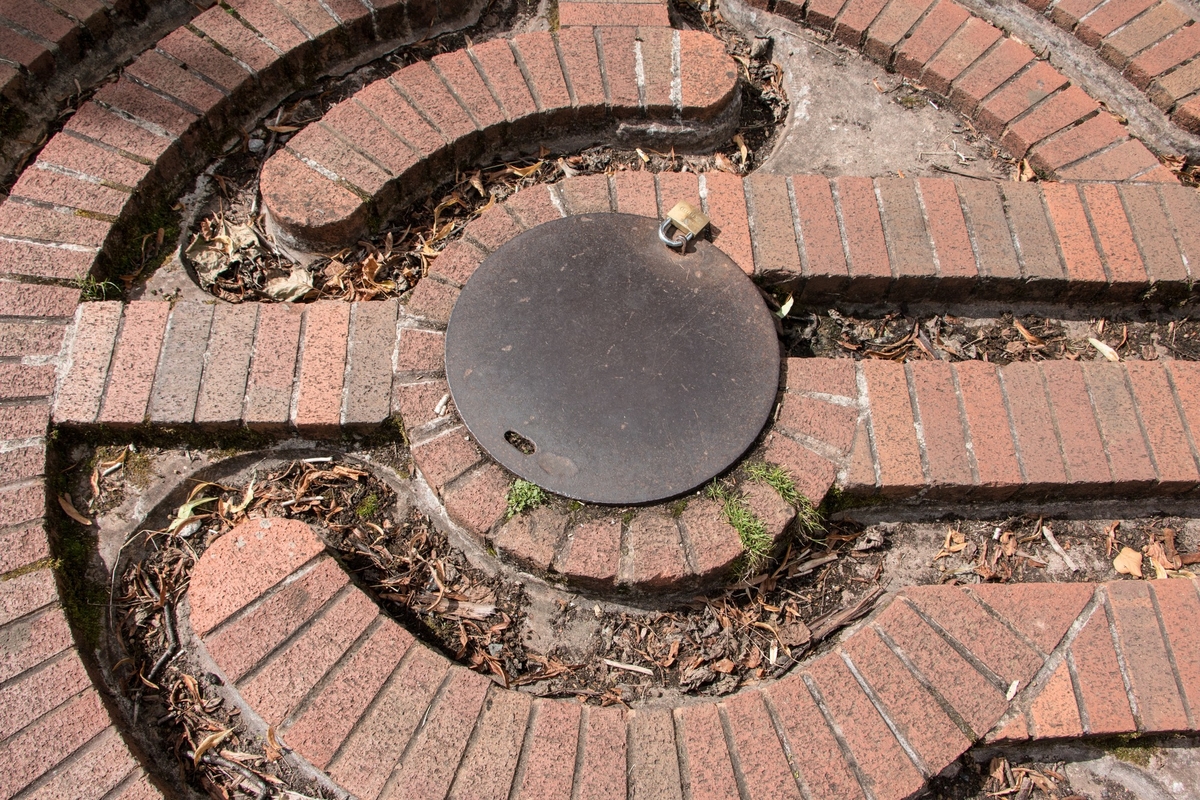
934,670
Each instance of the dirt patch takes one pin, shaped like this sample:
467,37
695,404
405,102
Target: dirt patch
999,340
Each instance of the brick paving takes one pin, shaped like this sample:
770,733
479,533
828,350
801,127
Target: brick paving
903,696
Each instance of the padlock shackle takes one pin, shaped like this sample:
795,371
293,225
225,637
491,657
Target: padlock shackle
674,244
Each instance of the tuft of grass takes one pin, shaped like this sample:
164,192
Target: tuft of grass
677,508
524,496
369,506
94,290
808,516
752,532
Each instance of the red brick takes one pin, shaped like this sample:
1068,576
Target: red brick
96,162
42,635
890,27
532,207
272,368
1144,31
922,722
221,26
892,428
241,644
1185,378
322,367
43,745
1015,730
1018,95
823,259
22,594
550,759
602,774
1187,116
532,539
1054,712
725,202
269,20
22,464
38,693
68,191
653,762
978,702
870,266
43,22
1128,454
445,457
1159,707
812,474
418,403
709,773
134,360
822,766
941,422
40,224
1043,612
773,231
1063,109
1067,13
1108,17
765,503
1155,241
1168,89
713,543
823,421
201,57
1041,460
422,87
288,676
490,762
245,563
581,66
24,421
655,555
499,67
158,72
137,101
676,186
492,229
1083,448
44,260
309,206
989,641
988,74
884,765
617,58
1167,54
991,236
101,765
832,376
318,144
593,552
82,388
708,77
22,504
1179,607
822,13
30,54
223,385
177,383
992,445
933,32
908,241
634,193
328,719
478,501
361,129
431,759
102,126
855,18
457,262
656,46
537,53
460,74
971,42
20,381
376,743
951,241
587,195
603,13
761,758
1036,243
1125,161
368,382
22,546
383,100
1068,147
1085,271
1183,207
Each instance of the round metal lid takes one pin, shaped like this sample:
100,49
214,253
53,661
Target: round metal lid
588,358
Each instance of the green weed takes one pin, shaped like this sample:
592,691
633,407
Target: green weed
524,496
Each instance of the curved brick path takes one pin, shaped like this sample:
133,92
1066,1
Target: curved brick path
895,703
140,138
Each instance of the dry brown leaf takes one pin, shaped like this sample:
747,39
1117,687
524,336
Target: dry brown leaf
742,149
724,666
1104,349
1128,562
64,500
208,743
1026,335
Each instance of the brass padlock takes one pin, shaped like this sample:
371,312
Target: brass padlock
687,219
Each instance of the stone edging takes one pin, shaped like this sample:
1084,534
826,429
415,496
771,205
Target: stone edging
936,669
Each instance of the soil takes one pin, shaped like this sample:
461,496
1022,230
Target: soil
999,340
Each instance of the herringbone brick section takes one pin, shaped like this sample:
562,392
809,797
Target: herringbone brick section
895,703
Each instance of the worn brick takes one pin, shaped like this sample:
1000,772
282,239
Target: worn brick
307,205
856,16
490,762
550,759
1152,230
1108,17
1083,447
131,375
537,53
1124,262
592,554
1173,461
702,744
492,229
811,473
273,366
869,263
1054,712
40,224
38,692
1085,271
618,62
656,46
460,74
725,202
655,555
634,193
23,594
1146,70
328,719
708,77
819,420
602,775
444,458
368,381
144,104
318,144
101,765
503,75
1179,607
457,262
478,501
947,226
944,440
38,260
907,238
221,26
322,367
1120,428
1024,91
933,32
823,259
891,26
96,162
177,382
239,645
572,13
383,100
653,763
269,20
82,388
1036,243
1183,207
533,206
22,504
893,429
1159,706
1123,162
22,464
823,768
42,635
158,72
69,191
43,745
992,446
1042,612
773,233
1144,31
22,546
362,130
26,382
763,762
245,563
222,390
532,539
418,403
200,57
676,186
587,195
973,40
713,543
23,421
1065,108
1029,407
832,376
365,761
988,74
1067,147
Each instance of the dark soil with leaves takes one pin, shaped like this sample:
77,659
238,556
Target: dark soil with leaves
1002,340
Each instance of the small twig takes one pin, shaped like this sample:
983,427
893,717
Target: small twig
629,667
1054,545
172,651
940,168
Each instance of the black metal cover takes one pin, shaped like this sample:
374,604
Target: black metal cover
588,358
